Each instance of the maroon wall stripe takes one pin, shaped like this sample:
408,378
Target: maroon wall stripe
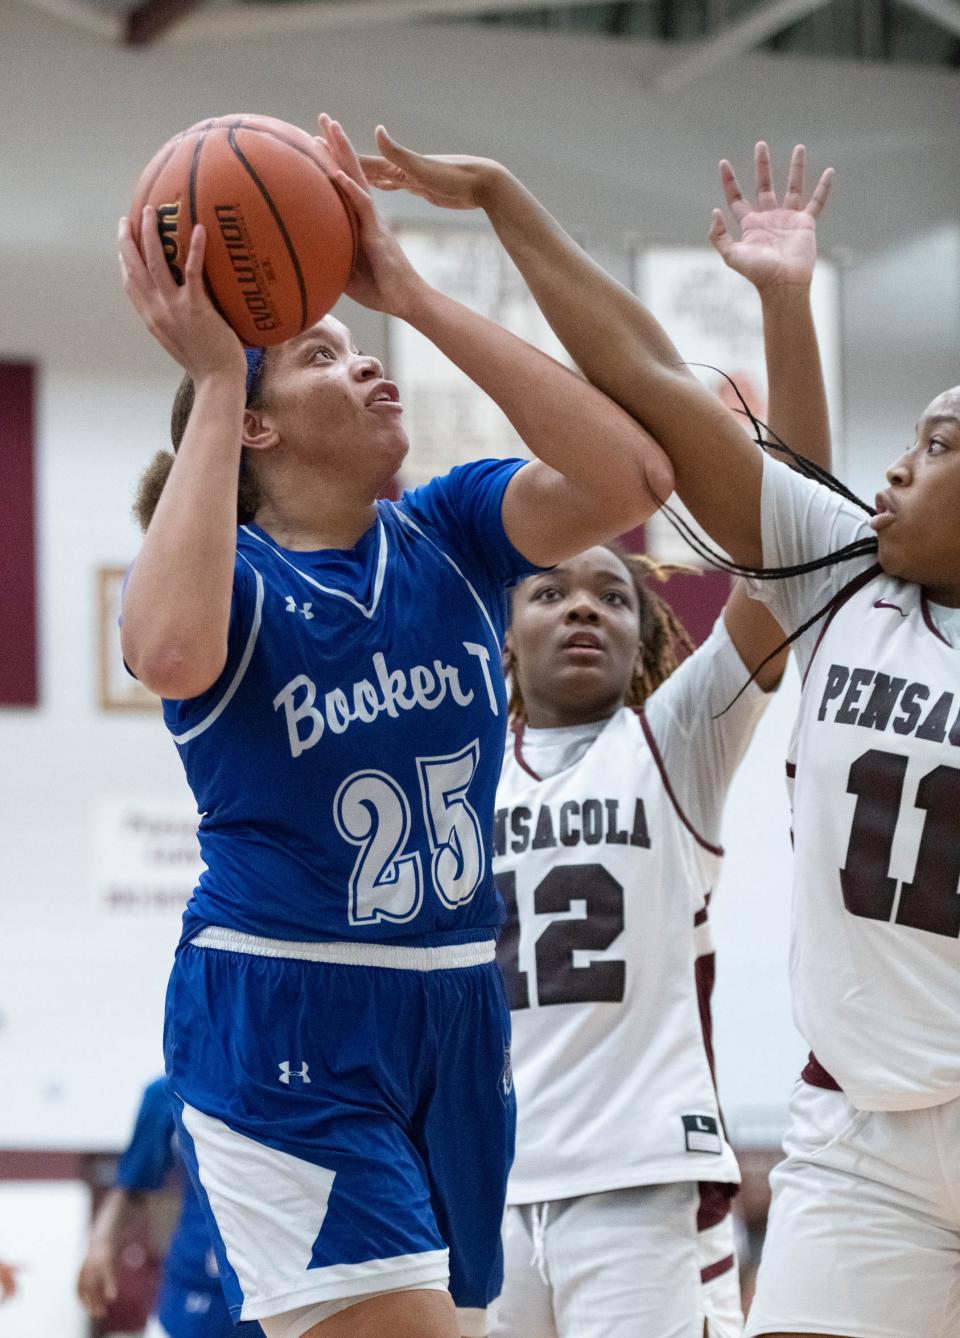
36,1164
18,560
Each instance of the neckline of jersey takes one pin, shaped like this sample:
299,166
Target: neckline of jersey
518,732
300,554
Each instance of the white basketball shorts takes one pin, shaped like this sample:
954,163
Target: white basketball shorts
628,1263
864,1231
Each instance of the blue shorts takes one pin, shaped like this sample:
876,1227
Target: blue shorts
347,1115
189,1312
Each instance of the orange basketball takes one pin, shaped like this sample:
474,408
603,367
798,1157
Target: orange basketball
281,238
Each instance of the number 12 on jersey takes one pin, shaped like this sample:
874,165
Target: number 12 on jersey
559,979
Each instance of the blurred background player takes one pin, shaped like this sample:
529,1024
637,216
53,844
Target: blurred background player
190,1302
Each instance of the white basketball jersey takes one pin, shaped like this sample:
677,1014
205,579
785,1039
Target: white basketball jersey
606,887
875,771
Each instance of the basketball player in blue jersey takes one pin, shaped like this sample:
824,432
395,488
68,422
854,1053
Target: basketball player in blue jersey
190,1303
864,1233
337,1037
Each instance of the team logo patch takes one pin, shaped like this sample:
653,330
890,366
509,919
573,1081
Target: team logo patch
702,1133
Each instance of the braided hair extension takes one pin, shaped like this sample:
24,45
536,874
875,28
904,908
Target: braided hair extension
665,640
809,469
768,440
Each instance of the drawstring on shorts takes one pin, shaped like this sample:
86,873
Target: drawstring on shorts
538,1230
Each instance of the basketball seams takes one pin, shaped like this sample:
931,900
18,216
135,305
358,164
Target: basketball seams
192,188
192,202
144,191
305,153
281,226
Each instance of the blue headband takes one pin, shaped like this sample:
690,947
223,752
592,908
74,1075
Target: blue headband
255,358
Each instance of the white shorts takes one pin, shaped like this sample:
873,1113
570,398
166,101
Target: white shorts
864,1231
628,1263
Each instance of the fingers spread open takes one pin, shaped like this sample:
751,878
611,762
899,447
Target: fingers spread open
193,269
718,235
405,159
152,249
798,162
733,195
819,197
380,173
766,195
359,198
344,151
133,272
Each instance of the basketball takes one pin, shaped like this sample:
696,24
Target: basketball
281,238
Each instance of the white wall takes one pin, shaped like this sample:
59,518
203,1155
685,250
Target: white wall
80,997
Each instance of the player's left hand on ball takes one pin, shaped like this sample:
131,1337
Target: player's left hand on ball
777,243
180,316
449,181
383,278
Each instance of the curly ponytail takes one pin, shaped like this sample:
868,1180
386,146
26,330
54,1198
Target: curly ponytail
154,477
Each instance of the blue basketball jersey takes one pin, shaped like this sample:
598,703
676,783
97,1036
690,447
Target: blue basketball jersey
345,763
145,1166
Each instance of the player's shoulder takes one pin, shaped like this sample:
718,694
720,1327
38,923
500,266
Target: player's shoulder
786,489
463,485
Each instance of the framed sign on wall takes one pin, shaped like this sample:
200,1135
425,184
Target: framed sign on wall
118,689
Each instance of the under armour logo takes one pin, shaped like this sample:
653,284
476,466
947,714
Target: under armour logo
293,608
286,1073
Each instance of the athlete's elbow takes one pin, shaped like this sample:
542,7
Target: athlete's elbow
658,477
652,485
173,669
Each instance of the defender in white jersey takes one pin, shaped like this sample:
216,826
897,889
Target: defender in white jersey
864,1238
607,848
328,661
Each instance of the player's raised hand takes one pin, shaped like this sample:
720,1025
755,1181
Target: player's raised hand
180,316
777,243
449,181
383,278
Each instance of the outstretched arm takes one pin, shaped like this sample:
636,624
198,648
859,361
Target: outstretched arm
597,472
610,335
777,251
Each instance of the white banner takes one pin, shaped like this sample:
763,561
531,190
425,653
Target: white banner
713,316
146,857
449,419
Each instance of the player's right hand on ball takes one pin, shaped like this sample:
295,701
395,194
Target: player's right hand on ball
449,181
97,1283
181,317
